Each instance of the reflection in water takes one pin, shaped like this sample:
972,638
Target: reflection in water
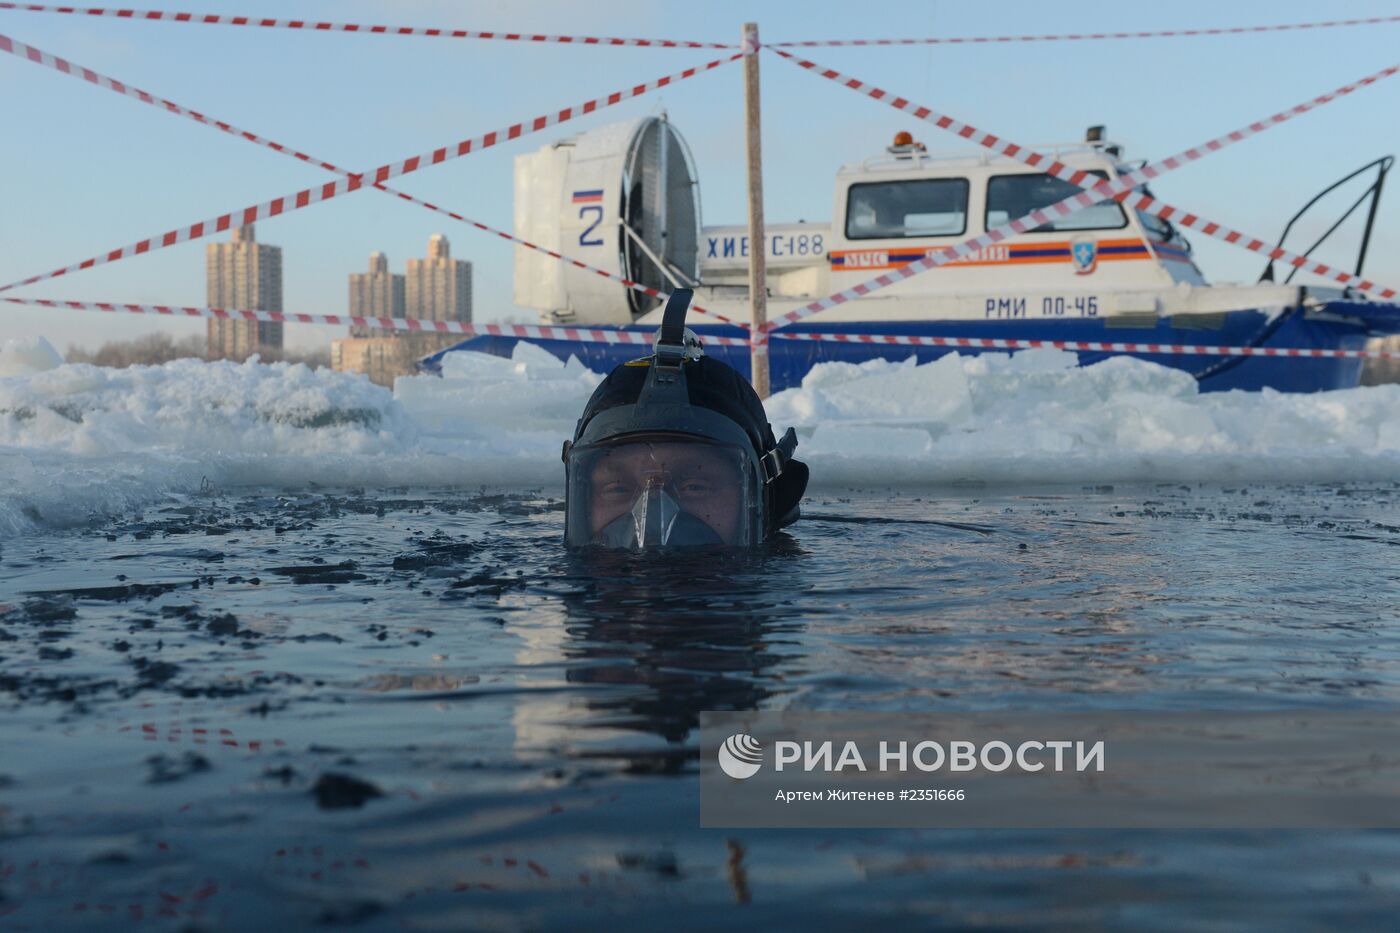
419,683
666,636
511,704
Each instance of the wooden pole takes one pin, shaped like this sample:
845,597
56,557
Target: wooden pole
758,241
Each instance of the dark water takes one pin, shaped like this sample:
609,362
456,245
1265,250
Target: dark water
414,712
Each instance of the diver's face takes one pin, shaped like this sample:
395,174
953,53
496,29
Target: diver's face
702,479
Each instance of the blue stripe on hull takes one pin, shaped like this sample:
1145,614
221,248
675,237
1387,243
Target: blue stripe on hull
791,360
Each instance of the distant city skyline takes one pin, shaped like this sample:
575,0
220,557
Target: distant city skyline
439,287
159,171
245,274
434,288
378,292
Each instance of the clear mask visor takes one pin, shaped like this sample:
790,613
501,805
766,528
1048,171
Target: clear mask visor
661,492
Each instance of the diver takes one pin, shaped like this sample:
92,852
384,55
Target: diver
675,450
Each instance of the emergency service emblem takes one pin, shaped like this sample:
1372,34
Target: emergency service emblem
1084,253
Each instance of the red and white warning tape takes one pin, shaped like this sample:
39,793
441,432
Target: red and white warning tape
1086,36
62,65
991,343
1078,177
200,735
1123,184
644,338
1255,245
210,19
1078,200
313,195
411,325
1118,188
636,286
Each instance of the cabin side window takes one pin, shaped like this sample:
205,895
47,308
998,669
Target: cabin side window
1156,227
1012,196
896,209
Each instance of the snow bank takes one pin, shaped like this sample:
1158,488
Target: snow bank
21,356
1036,417
515,404
78,441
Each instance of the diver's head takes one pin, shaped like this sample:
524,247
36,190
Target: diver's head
674,450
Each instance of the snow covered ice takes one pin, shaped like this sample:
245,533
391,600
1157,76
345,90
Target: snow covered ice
77,441
18,357
1036,417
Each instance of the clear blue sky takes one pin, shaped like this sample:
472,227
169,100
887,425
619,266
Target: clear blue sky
86,170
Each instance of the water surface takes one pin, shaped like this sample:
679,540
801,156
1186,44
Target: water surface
409,710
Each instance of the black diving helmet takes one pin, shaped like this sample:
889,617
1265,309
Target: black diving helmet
674,450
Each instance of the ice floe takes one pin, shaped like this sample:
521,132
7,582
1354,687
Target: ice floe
78,441
20,356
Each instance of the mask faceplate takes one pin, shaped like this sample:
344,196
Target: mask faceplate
661,491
